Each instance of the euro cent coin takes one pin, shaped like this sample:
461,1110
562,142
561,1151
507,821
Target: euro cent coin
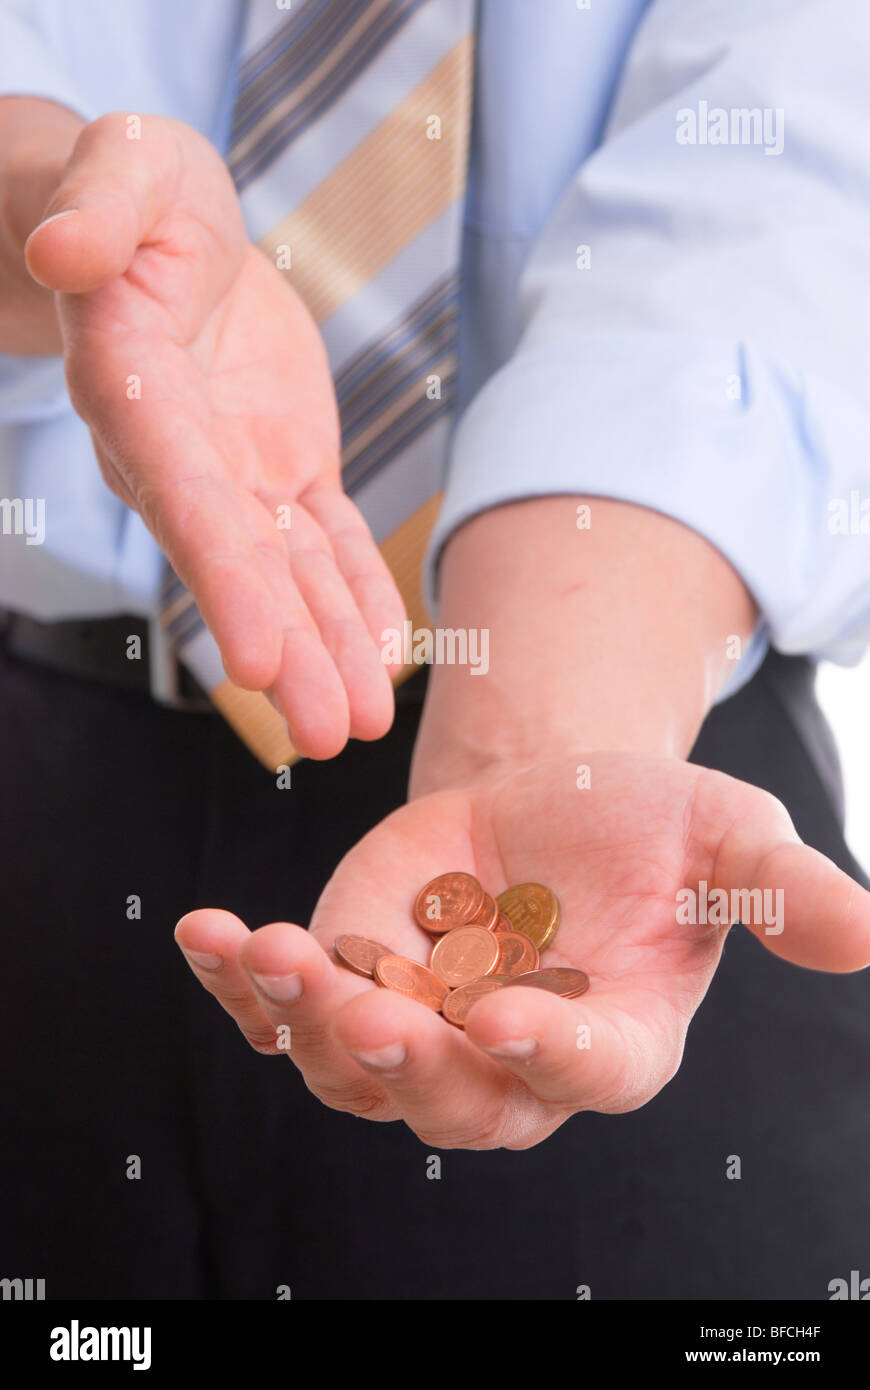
531,908
487,916
360,953
408,977
457,1003
558,980
448,901
464,954
517,953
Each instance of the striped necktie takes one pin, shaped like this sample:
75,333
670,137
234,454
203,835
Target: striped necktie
348,149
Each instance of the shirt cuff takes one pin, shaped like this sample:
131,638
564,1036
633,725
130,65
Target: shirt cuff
715,434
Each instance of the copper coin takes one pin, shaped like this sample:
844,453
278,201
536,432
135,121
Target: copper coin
568,983
465,954
487,916
459,1001
410,978
502,923
448,901
359,954
517,953
533,909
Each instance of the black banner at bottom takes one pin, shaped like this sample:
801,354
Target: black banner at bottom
157,1338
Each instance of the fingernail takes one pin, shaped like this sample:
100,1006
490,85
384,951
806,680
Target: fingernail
284,988
383,1058
54,217
514,1048
204,959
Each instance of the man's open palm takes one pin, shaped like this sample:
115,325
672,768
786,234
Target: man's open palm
227,443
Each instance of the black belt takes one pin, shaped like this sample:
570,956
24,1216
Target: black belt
106,650
97,649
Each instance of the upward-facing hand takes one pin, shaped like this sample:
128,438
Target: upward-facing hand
616,855
232,428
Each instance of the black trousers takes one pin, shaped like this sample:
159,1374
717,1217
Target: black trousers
110,1051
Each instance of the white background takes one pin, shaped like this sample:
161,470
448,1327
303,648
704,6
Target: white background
844,694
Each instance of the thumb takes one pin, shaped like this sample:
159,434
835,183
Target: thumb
120,183
794,899
112,193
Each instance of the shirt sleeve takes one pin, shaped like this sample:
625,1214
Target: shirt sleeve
29,64
34,388
96,556
695,316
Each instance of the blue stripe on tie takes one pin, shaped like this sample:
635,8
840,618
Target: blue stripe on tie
403,431
288,128
281,57
360,369
405,354
290,29
416,365
185,626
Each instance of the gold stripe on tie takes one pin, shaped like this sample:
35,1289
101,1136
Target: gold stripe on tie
383,195
256,721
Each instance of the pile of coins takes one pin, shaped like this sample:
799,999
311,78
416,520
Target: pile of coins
483,944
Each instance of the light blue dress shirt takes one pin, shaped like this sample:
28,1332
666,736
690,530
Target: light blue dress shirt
666,285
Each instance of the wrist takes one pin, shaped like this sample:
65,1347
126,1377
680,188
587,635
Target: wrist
610,639
464,742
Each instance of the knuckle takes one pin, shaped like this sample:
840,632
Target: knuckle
363,1101
771,805
536,1129
261,1038
623,1089
523,1142
649,1064
236,1001
109,126
484,1132
315,1044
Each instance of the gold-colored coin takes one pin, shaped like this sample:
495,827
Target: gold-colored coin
533,909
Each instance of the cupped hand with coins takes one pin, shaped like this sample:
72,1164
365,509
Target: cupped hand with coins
527,1058
586,654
